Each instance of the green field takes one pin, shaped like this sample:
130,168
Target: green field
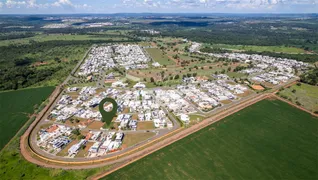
15,106
279,49
66,37
269,140
306,95
157,55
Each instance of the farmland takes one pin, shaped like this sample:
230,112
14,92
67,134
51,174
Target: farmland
251,144
16,106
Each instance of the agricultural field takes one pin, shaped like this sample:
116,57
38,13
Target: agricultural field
305,94
251,144
16,107
158,56
63,37
278,49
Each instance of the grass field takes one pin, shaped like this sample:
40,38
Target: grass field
53,37
279,49
15,106
157,55
306,94
251,144
132,139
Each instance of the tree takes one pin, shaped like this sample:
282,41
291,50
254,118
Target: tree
177,76
152,79
76,132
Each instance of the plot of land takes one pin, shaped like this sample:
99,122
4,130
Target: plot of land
15,108
257,87
305,94
146,125
251,144
158,56
132,139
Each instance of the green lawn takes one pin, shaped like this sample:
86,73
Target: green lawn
157,55
282,49
269,140
15,106
306,94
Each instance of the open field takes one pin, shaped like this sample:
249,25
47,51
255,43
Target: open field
306,95
16,107
158,56
279,49
53,37
131,139
251,144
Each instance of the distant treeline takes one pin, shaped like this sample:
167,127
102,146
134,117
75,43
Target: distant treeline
9,53
310,77
16,36
311,58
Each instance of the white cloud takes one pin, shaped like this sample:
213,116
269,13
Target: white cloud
62,2
1,4
11,3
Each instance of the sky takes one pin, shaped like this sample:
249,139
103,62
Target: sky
156,6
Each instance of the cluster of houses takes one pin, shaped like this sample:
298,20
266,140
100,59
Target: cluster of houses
173,101
282,64
200,98
194,47
56,26
54,138
105,57
84,105
273,77
102,143
210,94
265,68
98,59
221,90
151,31
146,106
130,56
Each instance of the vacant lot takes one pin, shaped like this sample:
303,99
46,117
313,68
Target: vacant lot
133,139
15,108
157,55
305,94
269,140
